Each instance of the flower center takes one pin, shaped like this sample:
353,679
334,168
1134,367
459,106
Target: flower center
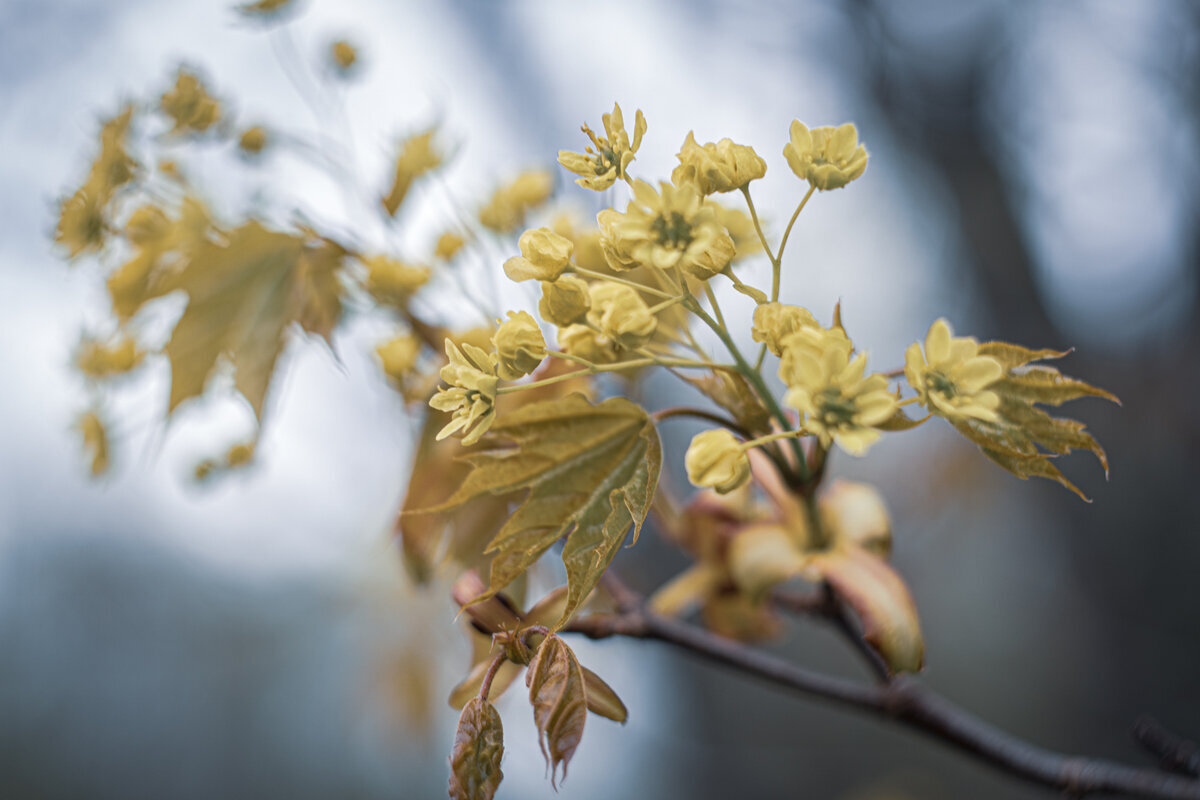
673,231
836,408
940,384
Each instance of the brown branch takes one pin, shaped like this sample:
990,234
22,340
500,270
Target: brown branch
905,701
699,413
1174,752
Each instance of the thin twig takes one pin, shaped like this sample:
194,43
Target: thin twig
903,700
1173,752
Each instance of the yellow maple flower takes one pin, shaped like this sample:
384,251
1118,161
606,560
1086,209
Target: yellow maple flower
951,378
773,322
506,210
471,395
344,55
417,157
828,158
609,156
147,225
564,301
519,344
99,360
620,314
253,140
265,8
189,104
716,460
399,356
81,223
95,441
448,245
721,167
671,227
583,342
114,166
829,389
393,282
544,256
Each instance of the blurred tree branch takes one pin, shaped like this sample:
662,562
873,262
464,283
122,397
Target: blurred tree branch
898,698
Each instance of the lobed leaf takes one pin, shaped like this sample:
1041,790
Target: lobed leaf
1025,438
559,700
243,294
590,470
478,747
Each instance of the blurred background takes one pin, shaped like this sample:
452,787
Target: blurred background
1034,177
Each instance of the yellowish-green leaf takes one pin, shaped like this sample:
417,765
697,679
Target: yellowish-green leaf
459,535
881,601
1025,438
590,470
478,747
601,699
1041,384
557,694
900,421
243,293
1012,355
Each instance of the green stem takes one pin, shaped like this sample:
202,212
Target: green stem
754,377
786,233
757,227
641,287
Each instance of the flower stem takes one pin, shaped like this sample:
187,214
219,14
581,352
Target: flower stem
783,242
641,287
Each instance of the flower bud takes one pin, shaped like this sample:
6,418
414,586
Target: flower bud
715,460
720,167
621,314
399,355
253,140
774,321
582,341
520,346
564,301
392,282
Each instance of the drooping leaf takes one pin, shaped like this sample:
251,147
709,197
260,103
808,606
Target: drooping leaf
601,699
469,686
460,534
1025,438
478,748
590,470
321,288
557,694
881,601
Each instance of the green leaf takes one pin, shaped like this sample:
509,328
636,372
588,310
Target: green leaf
478,747
559,700
590,471
1025,437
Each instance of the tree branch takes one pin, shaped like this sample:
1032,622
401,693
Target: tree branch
903,700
